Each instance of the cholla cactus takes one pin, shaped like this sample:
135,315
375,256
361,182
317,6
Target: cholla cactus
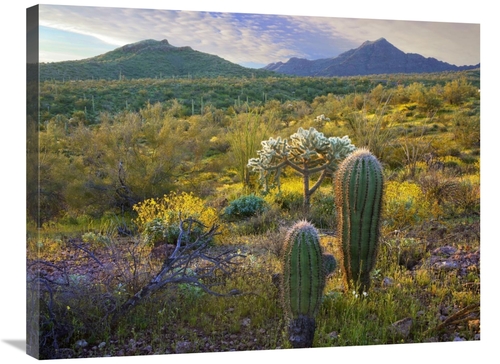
308,152
303,281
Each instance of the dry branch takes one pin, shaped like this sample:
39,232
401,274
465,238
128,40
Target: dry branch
177,268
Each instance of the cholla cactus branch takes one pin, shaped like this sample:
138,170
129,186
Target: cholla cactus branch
308,152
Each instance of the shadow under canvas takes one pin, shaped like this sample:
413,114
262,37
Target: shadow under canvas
18,344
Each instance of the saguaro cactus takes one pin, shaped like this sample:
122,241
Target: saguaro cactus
358,193
303,281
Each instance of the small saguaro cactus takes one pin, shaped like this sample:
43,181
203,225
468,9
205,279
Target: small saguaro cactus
358,193
303,282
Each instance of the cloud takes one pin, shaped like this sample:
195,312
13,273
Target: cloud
262,39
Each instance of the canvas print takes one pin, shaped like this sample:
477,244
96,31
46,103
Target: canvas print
211,182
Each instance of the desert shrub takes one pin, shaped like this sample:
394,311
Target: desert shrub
452,162
468,158
323,212
405,205
272,242
394,158
244,207
472,168
372,131
217,146
159,230
96,238
407,251
412,173
73,308
289,197
38,247
288,200
266,221
158,218
466,199
457,91
438,189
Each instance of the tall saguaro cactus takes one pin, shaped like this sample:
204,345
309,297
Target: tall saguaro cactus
303,281
358,192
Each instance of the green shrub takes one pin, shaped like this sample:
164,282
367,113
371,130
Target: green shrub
267,221
289,200
323,213
245,206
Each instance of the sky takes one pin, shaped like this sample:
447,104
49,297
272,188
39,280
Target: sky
69,32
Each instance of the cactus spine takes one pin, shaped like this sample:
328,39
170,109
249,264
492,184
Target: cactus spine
303,281
358,192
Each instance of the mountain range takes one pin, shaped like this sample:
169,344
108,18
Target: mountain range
160,59
378,57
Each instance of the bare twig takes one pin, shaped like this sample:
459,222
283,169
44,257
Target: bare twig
177,268
90,254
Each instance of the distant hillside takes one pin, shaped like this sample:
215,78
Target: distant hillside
147,59
378,57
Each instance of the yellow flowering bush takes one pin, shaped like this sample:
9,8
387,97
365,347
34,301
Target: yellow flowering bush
158,218
404,205
289,196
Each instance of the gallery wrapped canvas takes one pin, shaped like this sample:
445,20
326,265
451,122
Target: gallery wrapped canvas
213,182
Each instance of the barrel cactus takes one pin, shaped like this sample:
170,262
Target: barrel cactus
303,281
358,192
